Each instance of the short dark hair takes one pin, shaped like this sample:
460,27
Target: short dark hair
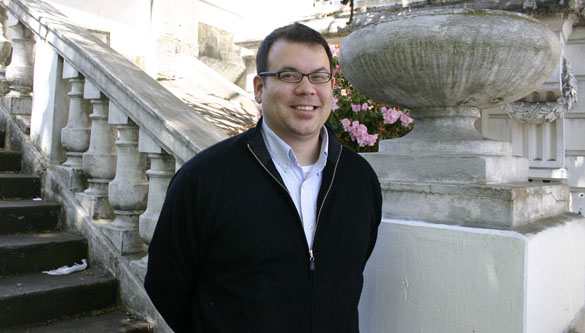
296,32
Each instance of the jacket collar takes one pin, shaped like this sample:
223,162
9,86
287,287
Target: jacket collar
256,143
258,149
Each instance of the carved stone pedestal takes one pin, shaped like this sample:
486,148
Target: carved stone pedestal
467,243
18,105
74,179
123,232
95,201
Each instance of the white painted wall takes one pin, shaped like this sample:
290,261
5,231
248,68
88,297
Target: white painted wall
556,268
435,278
127,21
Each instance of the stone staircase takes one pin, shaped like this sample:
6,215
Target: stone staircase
30,242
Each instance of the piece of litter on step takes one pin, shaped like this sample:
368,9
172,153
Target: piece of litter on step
64,270
37,199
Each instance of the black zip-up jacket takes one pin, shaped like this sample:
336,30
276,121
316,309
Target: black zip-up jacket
229,253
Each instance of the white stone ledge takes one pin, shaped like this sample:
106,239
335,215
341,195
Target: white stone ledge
485,206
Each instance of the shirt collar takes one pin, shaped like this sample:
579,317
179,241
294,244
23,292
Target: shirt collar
284,154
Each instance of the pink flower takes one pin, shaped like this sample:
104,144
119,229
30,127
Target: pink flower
334,105
365,106
356,107
346,124
359,132
406,120
391,115
337,69
368,140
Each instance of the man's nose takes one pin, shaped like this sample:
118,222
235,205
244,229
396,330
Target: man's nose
305,86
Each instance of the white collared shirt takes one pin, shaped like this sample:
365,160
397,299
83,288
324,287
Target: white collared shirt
303,182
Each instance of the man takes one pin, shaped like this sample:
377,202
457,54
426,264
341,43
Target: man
269,231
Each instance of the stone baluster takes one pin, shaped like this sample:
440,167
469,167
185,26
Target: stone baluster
75,135
5,50
129,189
162,169
20,71
99,161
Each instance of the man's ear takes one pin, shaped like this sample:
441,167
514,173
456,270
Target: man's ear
258,86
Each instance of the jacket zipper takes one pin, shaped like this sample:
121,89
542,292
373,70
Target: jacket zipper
311,255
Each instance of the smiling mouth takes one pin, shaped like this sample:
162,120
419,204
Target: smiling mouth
305,108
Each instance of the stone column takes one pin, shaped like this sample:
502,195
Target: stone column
99,161
20,71
76,134
5,50
129,189
162,168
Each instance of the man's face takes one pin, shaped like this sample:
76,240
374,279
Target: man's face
295,111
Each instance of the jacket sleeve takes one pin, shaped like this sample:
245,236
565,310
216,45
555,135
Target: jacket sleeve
173,270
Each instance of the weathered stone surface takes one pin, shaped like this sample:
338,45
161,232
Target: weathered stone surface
492,206
450,58
445,65
20,71
128,190
18,105
476,169
74,179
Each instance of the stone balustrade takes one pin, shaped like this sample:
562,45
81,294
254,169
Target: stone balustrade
114,119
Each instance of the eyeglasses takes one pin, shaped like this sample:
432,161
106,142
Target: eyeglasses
295,77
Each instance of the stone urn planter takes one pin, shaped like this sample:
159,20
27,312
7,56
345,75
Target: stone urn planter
445,65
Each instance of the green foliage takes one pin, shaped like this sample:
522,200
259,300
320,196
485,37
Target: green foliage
380,121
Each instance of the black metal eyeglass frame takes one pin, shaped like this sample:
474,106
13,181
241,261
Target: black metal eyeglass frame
308,75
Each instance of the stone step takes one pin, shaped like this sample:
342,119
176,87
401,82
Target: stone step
19,186
113,321
39,297
26,216
26,253
10,161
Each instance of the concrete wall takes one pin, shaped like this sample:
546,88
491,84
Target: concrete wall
436,278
